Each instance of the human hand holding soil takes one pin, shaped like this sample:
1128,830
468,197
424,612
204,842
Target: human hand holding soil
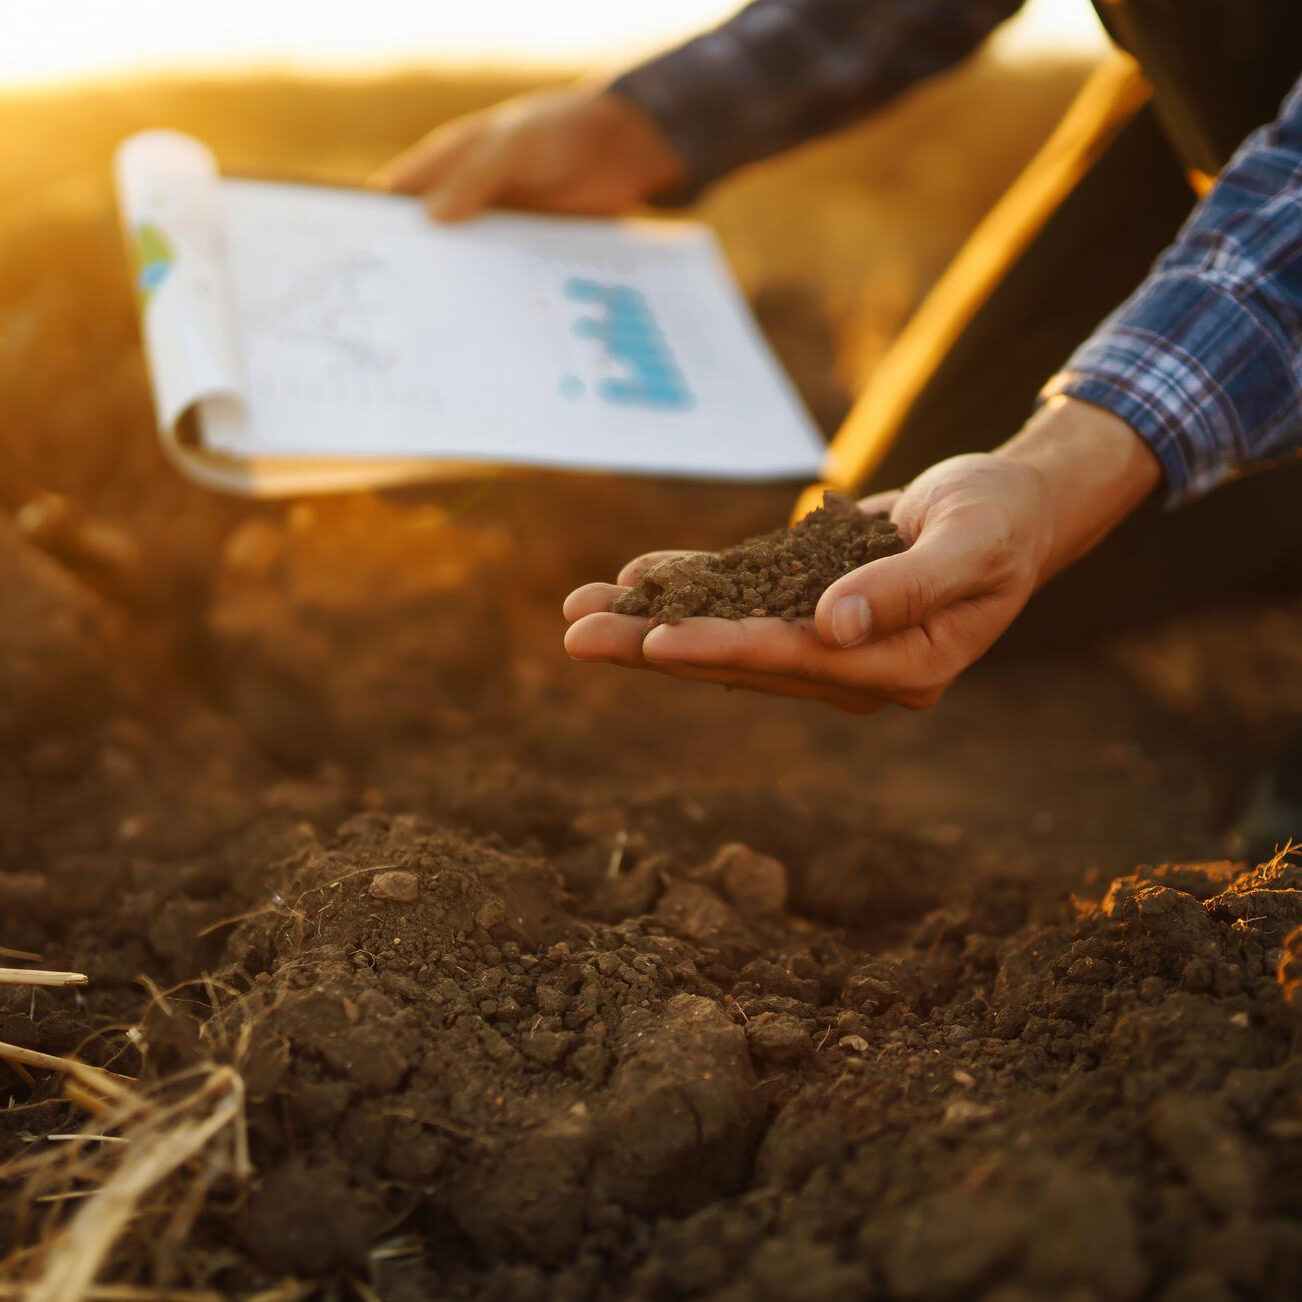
577,149
983,532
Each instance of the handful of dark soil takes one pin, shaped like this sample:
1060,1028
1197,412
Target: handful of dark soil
781,573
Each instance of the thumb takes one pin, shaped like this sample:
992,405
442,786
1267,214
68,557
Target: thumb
946,564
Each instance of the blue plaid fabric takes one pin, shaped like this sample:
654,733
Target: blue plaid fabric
1204,360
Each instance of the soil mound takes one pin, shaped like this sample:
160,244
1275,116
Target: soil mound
781,573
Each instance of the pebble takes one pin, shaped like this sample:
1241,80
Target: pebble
395,885
492,913
963,1111
755,883
591,1062
778,1038
546,1047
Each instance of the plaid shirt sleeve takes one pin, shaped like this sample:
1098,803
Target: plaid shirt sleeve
1204,360
783,71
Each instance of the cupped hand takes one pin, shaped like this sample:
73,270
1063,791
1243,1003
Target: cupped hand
578,150
896,631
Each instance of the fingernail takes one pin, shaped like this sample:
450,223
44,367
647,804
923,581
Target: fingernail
850,620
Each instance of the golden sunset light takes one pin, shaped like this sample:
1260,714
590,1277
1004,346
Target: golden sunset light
73,39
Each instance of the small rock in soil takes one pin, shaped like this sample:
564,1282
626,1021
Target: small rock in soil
395,885
546,1047
696,911
755,883
778,1038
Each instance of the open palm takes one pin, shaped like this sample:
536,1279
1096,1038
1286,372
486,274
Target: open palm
896,631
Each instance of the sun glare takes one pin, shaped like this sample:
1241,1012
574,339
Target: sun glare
60,40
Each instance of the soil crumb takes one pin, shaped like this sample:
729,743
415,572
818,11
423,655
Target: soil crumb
781,573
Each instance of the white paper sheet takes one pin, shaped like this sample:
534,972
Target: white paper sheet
333,336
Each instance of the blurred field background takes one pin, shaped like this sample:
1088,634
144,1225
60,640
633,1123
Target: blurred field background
835,244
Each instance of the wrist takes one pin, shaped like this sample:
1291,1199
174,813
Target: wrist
1093,470
641,145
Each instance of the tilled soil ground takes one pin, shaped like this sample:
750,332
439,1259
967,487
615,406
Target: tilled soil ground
547,981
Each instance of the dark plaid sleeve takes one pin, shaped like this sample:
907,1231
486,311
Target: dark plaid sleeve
783,71
1204,360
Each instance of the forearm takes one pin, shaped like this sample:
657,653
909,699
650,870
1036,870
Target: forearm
783,71
1205,359
1093,469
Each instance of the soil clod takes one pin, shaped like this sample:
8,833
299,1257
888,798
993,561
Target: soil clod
780,574
395,885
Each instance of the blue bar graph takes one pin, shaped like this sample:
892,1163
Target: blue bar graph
631,337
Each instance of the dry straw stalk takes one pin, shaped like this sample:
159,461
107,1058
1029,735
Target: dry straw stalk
27,976
163,1139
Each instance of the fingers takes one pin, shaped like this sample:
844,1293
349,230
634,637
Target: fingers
423,166
460,169
636,568
618,639
767,645
602,636
946,564
909,669
762,645
471,182
590,599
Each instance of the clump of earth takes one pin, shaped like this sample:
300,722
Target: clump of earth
781,574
